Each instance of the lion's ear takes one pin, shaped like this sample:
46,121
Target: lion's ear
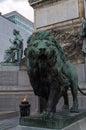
25,51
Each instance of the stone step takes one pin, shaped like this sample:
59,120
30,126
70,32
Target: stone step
8,114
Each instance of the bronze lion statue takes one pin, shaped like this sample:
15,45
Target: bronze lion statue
51,74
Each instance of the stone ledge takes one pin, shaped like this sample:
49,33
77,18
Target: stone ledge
9,68
15,88
8,114
69,24
39,3
33,2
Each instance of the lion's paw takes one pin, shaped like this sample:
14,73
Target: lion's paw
74,110
46,115
65,107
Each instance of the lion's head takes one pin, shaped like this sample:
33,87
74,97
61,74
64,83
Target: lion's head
43,49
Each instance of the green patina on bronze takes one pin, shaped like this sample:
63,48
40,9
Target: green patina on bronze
61,119
51,74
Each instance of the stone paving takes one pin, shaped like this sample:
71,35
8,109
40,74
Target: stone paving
9,124
29,128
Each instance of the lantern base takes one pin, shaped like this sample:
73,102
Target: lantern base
24,109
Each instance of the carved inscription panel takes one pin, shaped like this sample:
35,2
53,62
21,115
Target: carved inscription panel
56,12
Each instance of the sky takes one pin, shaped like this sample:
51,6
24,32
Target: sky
21,6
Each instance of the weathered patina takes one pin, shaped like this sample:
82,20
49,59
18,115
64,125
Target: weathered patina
51,74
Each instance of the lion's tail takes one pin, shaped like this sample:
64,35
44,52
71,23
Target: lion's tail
81,91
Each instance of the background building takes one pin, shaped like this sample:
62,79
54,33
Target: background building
10,21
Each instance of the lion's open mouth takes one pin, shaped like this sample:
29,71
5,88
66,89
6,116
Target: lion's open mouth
42,57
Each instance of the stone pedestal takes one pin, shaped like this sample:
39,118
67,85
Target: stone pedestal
59,121
49,13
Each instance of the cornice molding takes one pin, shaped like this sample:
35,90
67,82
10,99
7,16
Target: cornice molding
36,3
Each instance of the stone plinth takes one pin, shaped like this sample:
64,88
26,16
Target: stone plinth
59,121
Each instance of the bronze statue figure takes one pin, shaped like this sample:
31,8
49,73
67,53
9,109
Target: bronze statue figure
15,52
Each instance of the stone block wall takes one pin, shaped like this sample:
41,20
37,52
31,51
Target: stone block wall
17,86
14,86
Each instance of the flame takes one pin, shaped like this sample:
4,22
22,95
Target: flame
25,99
